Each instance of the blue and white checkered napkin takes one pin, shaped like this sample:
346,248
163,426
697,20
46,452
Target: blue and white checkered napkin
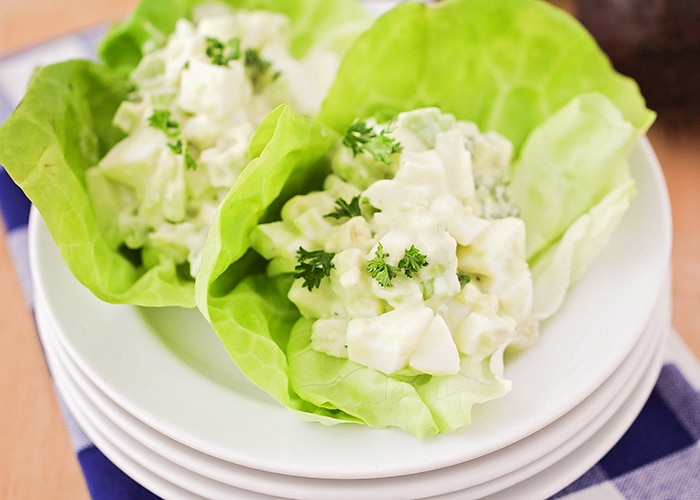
658,457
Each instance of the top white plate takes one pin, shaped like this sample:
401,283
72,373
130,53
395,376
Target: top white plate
167,367
474,478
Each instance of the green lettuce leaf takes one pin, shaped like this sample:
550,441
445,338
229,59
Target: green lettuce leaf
254,322
264,334
565,262
289,157
522,68
505,65
322,23
573,185
59,130
567,166
63,127
249,311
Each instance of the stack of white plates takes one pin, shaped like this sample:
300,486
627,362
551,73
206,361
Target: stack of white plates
156,392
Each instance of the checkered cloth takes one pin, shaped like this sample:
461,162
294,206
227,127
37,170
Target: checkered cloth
658,457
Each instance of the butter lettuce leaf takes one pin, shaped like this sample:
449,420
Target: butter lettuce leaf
505,65
421,404
59,130
269,341
525,69
372,397
290,156
565,262
249,310
568,164
63,126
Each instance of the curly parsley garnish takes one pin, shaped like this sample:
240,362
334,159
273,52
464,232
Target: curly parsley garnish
259,70
356,207
380,269
383,272
412,261
360,137
179,148
343,209
313,266
162,120
220,53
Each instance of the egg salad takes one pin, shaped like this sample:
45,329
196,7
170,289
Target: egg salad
412,256
196,102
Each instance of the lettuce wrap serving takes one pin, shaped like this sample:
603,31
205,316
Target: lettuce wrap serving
520,69
126,159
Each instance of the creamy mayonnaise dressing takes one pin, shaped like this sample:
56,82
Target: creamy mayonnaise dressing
445,194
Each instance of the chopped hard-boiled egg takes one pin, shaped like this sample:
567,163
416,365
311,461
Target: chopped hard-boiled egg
423,261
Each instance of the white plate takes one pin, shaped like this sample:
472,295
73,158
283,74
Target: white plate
532,454
168,369
483,476
551,478
119,441
586,447
97,432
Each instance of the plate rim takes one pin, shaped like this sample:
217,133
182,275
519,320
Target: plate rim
621,411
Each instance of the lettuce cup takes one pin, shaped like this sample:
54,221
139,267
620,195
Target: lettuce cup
467,165
127,159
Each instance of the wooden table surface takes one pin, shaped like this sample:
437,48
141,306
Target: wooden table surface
36,458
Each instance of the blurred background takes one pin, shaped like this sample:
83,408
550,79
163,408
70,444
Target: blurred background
656,42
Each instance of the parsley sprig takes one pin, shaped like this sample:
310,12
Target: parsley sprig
220,53
380,269
360,137
162,120
412,261
343,209
259,70
180,148
313,266
383,272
